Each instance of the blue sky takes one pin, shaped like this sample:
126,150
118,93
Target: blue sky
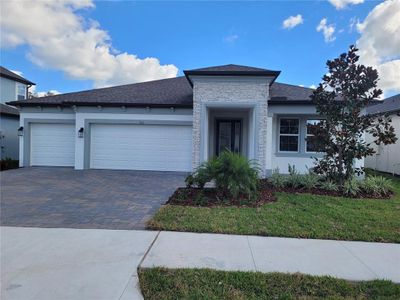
199,34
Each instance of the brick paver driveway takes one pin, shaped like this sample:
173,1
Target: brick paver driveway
63,197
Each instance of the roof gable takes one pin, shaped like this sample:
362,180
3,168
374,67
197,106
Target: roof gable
12,76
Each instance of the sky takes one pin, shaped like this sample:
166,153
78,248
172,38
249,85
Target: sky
69,45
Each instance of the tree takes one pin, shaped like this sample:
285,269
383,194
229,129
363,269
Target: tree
340,100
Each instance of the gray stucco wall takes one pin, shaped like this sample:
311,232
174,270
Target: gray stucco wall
9,140
7,90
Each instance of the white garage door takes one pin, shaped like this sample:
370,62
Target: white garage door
52,144
141,147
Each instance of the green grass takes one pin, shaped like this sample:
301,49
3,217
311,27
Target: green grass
161,283
294,215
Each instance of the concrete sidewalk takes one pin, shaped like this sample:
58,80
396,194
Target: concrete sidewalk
44,263
341,259
53,263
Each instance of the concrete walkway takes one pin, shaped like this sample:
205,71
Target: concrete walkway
347,260
42,263
93,264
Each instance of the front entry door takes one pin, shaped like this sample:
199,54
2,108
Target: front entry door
229,136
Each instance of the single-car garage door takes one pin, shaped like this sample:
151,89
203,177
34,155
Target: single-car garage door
52,145
141,147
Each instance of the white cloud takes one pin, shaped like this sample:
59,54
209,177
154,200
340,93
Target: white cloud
340,4
61,39
19,73
327,30
379,43
231,38
313,86
34,93
292,21
354,24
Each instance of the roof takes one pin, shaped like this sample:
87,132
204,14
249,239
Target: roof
165,92
281,92
8,110
11,75
231,70
391,104
169,92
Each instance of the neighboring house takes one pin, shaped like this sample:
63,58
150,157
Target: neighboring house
173,124
12,87
386,158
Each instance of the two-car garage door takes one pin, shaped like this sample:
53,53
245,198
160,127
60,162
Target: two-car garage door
141,147
113,146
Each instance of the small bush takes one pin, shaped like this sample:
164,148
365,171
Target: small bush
351,187
310,181
233,175
278,180
8,163
329,185
203,174
294,179
377,186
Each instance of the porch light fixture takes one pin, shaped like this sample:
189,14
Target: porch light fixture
21,131
80,133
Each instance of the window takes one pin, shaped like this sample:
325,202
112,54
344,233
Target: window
21,92
289,135
311,144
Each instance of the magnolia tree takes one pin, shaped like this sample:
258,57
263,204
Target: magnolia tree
340,100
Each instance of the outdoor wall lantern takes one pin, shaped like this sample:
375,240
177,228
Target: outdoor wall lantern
21,131
80,133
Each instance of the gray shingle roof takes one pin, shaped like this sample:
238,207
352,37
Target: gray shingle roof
166,92
230,68
11,75
391,104
284,92
8,110
163,93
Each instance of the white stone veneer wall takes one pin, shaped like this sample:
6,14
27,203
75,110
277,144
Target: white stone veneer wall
249,92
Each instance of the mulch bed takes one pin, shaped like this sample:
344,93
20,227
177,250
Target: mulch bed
209,197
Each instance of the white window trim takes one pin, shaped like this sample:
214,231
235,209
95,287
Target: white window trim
307,135
288,134
17,84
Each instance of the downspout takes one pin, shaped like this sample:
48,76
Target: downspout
27,91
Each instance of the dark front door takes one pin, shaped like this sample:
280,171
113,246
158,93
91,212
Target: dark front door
229,136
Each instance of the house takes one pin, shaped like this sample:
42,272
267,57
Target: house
173,124
12,87
386,157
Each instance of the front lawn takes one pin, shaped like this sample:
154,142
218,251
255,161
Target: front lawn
159,283
293,215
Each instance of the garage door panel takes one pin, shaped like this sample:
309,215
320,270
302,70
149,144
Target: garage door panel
52,144
141,147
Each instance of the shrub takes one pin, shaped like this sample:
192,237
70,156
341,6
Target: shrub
294,179
310,181
351,187
329,185
377,185
278,180
203,174
8,163
233,174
